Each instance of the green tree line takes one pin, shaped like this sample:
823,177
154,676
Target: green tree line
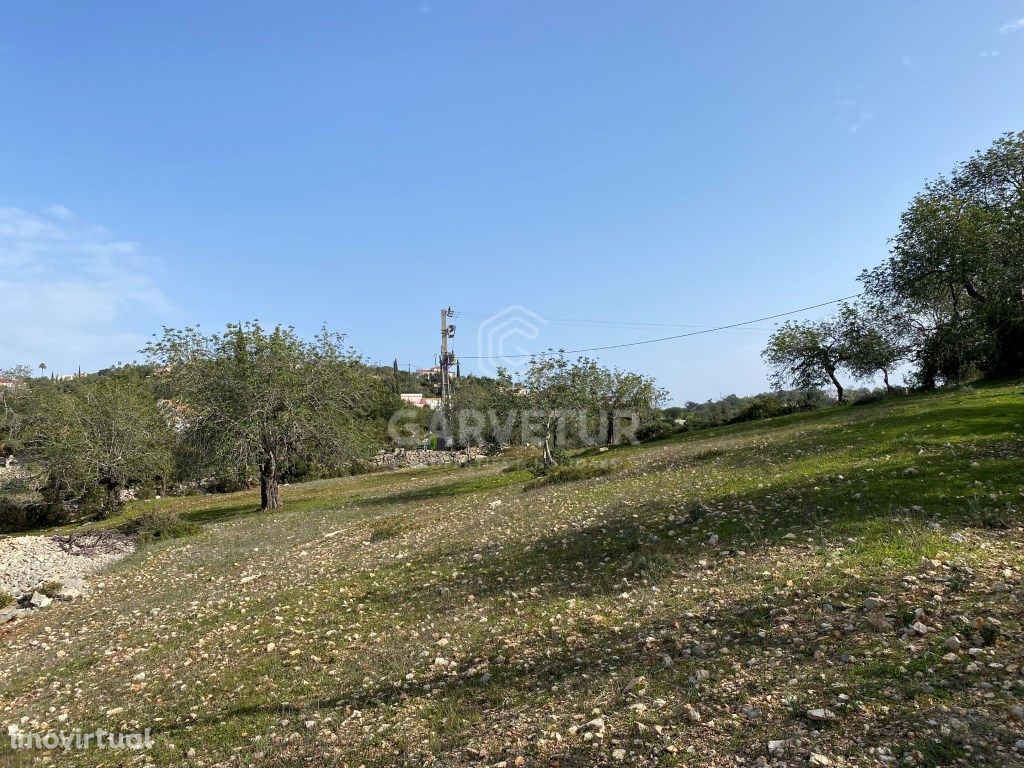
948,301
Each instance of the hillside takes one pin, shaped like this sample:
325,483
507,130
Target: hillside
705,603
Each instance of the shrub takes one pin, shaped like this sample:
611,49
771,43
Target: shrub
569,473
766,406
658,430
6,600
386,529
50,588
158,524
26,514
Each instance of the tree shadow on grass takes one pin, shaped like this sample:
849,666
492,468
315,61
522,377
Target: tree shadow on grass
597,663
458,487
222,513
639,543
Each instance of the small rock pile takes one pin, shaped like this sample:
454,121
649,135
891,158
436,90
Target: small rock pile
36,570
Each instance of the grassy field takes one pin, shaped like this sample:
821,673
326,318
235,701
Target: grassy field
702,599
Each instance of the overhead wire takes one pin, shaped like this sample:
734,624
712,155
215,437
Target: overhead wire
699,332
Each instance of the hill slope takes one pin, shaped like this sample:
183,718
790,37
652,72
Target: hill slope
704,599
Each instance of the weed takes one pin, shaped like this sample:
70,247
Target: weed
569,473
385,529
154,525
50,588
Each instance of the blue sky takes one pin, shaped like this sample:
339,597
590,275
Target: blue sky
366,163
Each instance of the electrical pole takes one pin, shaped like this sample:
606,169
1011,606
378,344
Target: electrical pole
445,361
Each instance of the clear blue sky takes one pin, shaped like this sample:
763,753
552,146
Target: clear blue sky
365,163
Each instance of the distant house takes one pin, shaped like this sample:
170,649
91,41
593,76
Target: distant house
8,383
421,401
429,373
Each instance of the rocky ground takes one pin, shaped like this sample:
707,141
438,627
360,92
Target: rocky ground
843,588
35,569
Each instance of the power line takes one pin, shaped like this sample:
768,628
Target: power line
615,324
668,338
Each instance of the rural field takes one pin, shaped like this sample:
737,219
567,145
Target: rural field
835,588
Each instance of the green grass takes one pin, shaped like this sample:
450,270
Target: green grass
467,616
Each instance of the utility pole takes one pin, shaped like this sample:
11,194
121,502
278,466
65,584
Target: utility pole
445,361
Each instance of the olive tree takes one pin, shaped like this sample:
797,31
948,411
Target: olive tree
95,436
13,395
262,401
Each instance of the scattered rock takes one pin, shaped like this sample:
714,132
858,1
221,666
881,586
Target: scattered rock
39,600
820,715
879,621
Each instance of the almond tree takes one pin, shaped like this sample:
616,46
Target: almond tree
808,354
876,340
554,386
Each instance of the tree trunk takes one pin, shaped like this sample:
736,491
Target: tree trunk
885,378
548,459
270,493
113,500
840,392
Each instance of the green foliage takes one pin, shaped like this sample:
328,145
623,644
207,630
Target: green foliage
732,408
50,588
570,473
875,339
257,402
24,513
12,411
763,407
95,436
153,525
956,270
808,354
553,387
6,600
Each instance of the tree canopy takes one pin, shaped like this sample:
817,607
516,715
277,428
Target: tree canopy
807,354
95,436
956,269
257,402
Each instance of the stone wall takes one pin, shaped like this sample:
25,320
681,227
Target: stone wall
402,458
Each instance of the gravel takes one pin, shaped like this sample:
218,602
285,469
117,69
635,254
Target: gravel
28,561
